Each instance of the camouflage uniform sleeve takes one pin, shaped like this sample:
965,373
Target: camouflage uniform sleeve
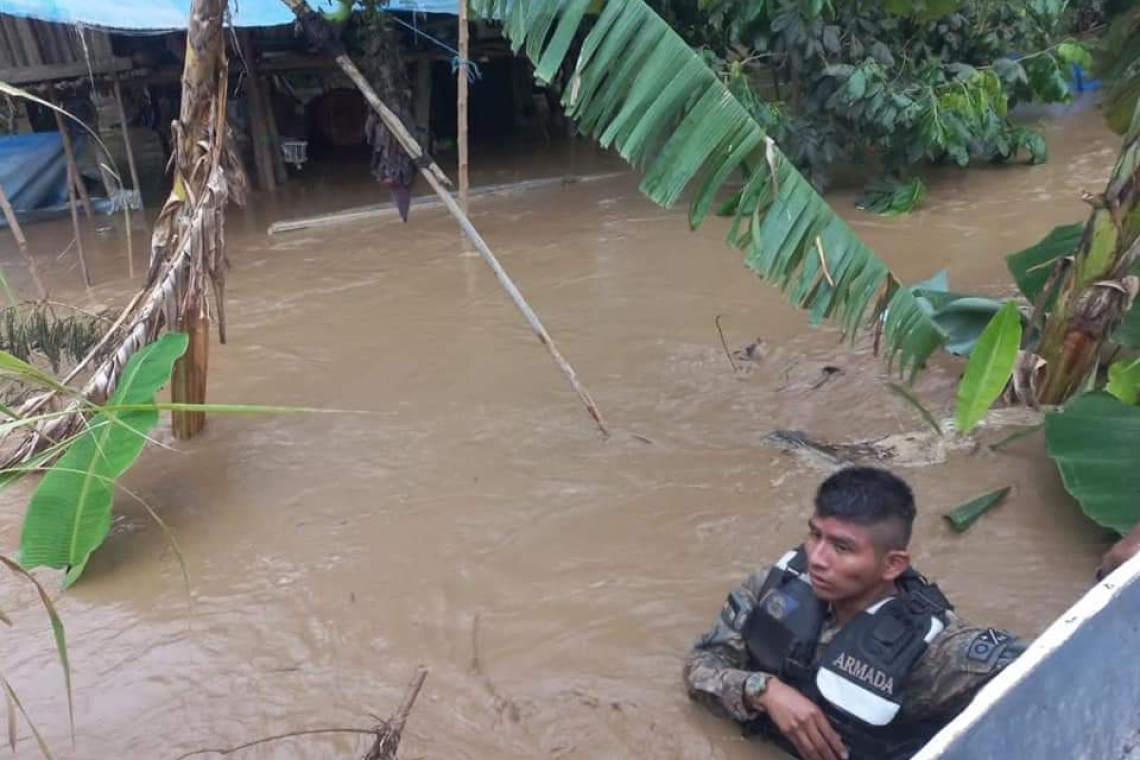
956,666
716,666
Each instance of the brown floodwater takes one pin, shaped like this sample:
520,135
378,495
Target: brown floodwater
467,517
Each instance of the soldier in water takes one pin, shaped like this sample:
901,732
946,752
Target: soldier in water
841,650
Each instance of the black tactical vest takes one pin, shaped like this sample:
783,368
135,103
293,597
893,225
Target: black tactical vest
859,678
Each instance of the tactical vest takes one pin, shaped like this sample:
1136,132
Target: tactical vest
860,677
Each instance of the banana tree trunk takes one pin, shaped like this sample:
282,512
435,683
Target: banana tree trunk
200,135
1096,288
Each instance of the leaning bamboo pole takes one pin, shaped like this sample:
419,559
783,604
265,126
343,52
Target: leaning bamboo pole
21,242
321,34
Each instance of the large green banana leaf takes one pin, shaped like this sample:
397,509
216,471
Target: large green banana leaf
70,511
637,86
1095,441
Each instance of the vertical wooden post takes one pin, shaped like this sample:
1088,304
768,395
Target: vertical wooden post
188,382
422,104
21,241
279,171
127,140
136,188
462,105
72,182
72,166
258,128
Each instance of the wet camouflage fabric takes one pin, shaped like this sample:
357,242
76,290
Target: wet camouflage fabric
955,665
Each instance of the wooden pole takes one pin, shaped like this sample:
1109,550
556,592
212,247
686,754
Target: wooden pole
280,173
136,188
21,242
258,128
72,166
462,105
72,182
318,27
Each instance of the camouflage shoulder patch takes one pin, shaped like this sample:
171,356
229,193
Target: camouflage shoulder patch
986,647
737,608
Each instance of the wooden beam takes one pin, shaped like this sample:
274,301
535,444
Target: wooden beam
56,71
426,202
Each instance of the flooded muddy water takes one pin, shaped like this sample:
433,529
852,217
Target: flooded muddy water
467,517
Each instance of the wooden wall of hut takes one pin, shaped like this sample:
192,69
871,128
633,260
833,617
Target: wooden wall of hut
37,51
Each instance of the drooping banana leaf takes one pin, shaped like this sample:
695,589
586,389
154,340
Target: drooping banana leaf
70,512
1095,441
961,316
638,87
1031,267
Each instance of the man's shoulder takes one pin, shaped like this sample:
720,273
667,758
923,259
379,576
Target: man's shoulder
972,649
742,599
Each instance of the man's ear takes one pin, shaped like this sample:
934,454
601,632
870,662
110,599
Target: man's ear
895,563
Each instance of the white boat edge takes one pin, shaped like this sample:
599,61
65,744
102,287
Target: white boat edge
1041,726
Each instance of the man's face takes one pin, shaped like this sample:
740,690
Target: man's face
843,560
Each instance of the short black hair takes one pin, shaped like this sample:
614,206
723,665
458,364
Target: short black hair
869,496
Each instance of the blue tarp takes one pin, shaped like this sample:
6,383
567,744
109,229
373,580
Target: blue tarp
33,173
33,170
173,14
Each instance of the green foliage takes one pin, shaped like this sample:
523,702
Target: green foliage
961,316
1095,441
906,81
967,514
640,88
70,511
892,197
1128,334
1124,381
1116,59
1031,267
989,368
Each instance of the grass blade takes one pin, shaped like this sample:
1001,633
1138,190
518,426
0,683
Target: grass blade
907,395
1017,436
59,634
11,696
10,711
